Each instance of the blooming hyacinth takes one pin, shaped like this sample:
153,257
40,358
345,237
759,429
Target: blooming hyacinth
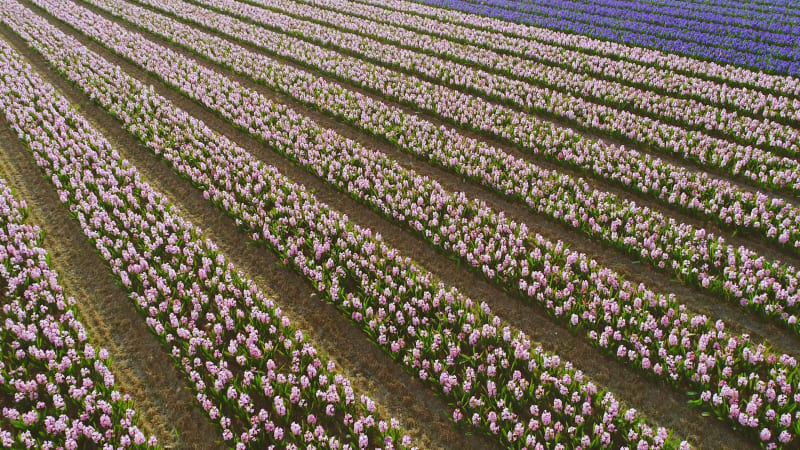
254,374
56,389
699,193
744,95
647,330
495,380
693,254
725,48
741,128
445,20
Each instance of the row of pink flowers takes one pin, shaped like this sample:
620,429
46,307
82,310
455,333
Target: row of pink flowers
528,37
697,256
253,373
642,328
497,382
697,192
56,388
578,88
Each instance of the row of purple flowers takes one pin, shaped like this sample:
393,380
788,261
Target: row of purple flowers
675,37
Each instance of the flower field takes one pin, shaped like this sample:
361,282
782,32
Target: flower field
407,224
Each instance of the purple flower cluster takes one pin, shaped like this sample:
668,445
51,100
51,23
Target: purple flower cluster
56,390
740,381
775,25
743,46
492,31
693,254
768,17
519,56
743,129
496,380
621,17
700,193
253,373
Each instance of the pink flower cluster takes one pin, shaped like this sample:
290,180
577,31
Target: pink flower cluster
697,192
56,388
483,367
702,258
254,374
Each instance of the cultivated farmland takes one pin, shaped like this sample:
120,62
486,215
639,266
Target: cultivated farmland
399,224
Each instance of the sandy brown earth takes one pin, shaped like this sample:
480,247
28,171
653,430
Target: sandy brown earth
400,395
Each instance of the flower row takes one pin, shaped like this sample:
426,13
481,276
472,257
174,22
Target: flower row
56,388
745,100
772,21
744,9
753,55
621,18
496,381
698,193
693,254
746,17
253,373
742,129
739,381
783,8
777,84
702,25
